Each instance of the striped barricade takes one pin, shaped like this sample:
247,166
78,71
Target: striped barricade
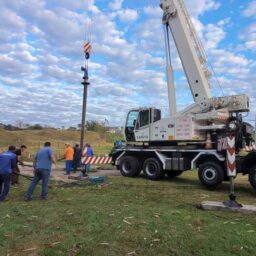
231,157
96,160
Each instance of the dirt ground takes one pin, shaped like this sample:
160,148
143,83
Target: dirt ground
58,174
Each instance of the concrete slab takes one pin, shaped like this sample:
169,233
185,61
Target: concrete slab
219,206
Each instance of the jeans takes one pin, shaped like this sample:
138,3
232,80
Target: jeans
76,164
4,180
40,174
87,168
68,166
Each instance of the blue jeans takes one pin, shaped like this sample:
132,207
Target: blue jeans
40,174
4,180
68,166
87,168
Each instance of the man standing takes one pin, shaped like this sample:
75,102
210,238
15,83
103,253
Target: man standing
15,175
77,157
87,152
7,166
68,155
42,165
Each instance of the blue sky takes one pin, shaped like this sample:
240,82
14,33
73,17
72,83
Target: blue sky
41,55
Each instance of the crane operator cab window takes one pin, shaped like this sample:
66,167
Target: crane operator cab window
140,119
156,115
144,119
130,125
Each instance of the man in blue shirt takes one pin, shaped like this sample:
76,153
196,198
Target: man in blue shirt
42,165
87,152
7,166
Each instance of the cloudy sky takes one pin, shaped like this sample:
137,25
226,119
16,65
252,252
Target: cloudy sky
41,55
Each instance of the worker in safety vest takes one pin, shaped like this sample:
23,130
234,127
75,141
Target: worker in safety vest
68,155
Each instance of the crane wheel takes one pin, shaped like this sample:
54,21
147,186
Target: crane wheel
252,176
152,169
130,166
211,174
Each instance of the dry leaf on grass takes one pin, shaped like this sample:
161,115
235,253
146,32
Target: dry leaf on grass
127,222
29,249
55,243
131,253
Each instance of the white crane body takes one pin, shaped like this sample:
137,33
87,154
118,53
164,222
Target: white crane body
206,113
195,137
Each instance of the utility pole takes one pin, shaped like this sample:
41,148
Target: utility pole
87,48
85,83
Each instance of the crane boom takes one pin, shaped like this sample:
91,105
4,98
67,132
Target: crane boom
189,48
207,116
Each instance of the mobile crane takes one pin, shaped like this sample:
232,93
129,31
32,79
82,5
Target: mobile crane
193,137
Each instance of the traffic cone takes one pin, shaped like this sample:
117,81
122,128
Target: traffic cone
208,144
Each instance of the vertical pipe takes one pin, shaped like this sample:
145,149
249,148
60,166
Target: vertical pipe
85,83
169,73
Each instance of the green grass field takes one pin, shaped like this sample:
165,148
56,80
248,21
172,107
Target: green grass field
34,139
128,217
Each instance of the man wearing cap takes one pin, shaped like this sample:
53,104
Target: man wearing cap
68,155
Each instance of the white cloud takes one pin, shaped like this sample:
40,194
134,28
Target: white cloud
249,37
199,7
115,5
251,45
40,59
250,10
153,11
127,15
214,34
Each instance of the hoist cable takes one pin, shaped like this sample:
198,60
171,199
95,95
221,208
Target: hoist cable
88,25
217,80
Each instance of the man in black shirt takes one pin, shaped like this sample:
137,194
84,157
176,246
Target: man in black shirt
77,157
15,176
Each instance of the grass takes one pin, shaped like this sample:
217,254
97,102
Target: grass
128,216
34,139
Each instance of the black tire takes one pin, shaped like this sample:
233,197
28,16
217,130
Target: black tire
130,166
172,174
152,169
252,176
211,174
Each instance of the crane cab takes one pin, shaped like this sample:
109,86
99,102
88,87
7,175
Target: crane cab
138,123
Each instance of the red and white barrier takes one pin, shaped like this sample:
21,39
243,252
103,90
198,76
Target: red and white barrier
96,160
231,157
